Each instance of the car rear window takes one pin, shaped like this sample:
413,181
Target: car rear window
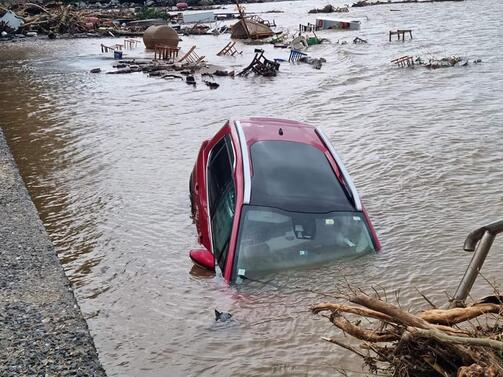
295,177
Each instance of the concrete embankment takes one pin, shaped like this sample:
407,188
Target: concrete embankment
42,330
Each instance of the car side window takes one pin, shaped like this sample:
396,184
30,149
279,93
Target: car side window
221,197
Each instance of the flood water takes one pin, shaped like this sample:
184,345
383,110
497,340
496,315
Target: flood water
107,160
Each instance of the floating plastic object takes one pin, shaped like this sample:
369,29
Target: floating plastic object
117,55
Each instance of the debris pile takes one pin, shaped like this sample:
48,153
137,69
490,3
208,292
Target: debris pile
330,9
433,63
55,18
63,19
435,342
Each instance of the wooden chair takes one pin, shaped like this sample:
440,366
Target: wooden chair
404,61
400,33
229,49
191,57
164,52
261,65
107,48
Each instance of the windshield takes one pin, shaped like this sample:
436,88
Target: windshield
272,239
295,177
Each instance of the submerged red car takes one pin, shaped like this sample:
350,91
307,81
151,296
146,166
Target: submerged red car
269,194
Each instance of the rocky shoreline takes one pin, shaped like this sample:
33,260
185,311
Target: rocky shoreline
42,330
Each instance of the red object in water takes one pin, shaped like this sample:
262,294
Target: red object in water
182,6
203,258
270,193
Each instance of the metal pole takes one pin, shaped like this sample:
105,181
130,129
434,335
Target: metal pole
473,269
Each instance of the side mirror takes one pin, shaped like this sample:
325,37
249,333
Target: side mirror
203,258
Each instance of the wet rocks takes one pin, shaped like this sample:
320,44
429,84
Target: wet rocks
95,70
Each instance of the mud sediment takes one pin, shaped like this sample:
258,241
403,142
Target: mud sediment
42,330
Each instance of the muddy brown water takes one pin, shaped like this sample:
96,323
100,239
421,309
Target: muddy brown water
107,158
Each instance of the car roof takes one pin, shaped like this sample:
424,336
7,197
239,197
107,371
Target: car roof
262,129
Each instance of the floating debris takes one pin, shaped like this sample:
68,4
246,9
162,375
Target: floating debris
433,63
192,57
222,316
261,66
229,49
247,28
250,27
165,52
308,28
330,9
400,33
431,343
211,84
190,80
95,70
223,73
446,62
404,61
197,29
359,40
328,24
315,62
295,55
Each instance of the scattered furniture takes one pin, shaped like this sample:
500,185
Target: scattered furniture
191,57
229,49
308,28
130,43
359,40
261,65
107,48
295,55
404,61
400,33
165,52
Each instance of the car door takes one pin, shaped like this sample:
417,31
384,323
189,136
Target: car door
221,197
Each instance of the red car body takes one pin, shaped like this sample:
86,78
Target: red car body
238,137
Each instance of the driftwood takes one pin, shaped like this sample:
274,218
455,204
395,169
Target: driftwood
452,316
401,343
